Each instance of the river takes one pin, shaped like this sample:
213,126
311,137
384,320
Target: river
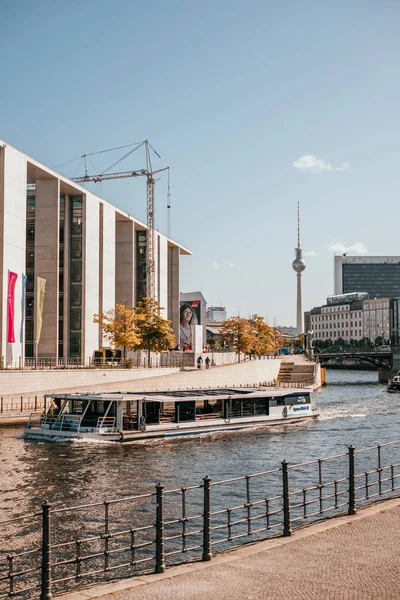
353,407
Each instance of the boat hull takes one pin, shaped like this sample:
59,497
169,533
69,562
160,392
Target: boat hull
173,431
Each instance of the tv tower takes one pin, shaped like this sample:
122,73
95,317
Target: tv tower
299,265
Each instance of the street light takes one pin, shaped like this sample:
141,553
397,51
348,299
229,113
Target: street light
309,341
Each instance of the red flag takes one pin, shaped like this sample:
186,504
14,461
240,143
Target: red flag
12,280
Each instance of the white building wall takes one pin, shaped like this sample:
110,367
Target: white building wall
163,276
91,274
108,259
13,180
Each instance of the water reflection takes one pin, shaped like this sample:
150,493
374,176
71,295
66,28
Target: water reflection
354,409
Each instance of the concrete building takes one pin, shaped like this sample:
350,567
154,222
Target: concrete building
351,317
379,276
91,254
198,307
216,314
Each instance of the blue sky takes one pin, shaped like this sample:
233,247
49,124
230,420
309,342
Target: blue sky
232,95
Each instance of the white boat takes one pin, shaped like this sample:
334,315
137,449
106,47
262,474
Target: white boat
132,416
394,384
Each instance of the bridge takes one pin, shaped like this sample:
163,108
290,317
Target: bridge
382,360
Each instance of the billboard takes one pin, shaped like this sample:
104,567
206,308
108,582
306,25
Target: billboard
190,314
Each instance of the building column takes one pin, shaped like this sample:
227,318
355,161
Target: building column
47,215
124,262
173,289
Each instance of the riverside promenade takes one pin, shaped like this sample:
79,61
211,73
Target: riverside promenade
345,558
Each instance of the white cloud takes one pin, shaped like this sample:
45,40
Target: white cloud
231,265
357,248
309,162
311,253
216,265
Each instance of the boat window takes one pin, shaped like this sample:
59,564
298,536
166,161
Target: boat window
167,412
261,406
151,412
209,407
185,411
77,406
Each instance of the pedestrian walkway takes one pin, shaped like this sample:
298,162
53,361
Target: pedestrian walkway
346,558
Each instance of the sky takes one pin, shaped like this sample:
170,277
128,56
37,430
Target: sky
254,105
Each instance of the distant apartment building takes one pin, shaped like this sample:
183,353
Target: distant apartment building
379,276
351,317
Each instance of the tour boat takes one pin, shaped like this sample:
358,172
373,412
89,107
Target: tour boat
133,416
394,384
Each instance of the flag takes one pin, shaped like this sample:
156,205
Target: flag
40,290
12,280
21,333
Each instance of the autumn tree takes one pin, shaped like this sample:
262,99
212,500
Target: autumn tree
119,327
155,332
238,334
264,340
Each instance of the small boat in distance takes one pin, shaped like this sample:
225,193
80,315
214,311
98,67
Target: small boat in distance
133,416
394,384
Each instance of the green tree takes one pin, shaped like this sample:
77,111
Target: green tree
155,332
119,327
238,334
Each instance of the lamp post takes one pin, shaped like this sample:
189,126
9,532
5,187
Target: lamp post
309,340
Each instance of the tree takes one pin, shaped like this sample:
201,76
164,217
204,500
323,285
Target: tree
264,338
155,332
119,327
238,334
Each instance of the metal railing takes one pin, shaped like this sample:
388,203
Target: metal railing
100,541
138,362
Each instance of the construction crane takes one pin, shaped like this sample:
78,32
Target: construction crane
149,174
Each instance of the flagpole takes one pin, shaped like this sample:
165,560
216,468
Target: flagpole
35,306
24,282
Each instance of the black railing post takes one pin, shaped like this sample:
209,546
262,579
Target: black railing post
352,482
46,564
287,526
160,556
207,554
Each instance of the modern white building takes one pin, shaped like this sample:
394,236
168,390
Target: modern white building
91,254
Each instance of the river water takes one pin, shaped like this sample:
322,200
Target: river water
353,407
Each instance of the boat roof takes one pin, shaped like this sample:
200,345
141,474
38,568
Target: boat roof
183,395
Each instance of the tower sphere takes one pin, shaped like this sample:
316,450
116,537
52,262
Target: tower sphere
298,265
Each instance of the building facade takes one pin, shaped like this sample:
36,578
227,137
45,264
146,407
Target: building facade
379,276
91,254
347,317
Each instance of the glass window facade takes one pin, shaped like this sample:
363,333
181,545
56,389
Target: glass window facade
75,284
61,279
141,244
380,280
30,277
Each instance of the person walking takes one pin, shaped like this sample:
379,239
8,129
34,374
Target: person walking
207,361
199,362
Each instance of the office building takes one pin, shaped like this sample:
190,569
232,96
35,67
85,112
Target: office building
379,276
91,254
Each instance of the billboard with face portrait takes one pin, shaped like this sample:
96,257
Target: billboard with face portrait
190,314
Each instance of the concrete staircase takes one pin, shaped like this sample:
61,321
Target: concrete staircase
285,372
291,373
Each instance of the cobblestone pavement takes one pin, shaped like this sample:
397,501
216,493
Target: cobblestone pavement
342,559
